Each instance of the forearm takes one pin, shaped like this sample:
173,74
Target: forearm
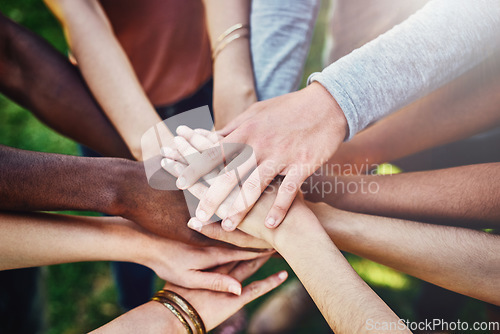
151,317
107,70
412,59
34,181
35,75
466,195
233,74
467,106
39,239
345,300
280,39
458,259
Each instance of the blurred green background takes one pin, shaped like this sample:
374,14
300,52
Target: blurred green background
81,296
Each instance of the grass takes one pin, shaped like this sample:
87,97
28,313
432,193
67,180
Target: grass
81,296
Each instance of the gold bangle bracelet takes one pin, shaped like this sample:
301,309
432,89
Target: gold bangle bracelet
225,43
165,302
230,30
186,307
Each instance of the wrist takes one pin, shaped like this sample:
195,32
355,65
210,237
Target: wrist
298,225
125,173
321,97
161,319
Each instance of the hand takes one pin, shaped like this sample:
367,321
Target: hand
291,135
203,139
161,212
215,307
187,266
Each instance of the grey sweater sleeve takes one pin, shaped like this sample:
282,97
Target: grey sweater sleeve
435,45
281,33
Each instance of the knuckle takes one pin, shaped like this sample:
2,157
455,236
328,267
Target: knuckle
217,283
255,289
252,183
289,188
280,210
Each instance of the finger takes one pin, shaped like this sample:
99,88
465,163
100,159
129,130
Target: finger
236,237
218,256
236,122
213,281
286,194
245,269
250,192
203,164
214,137
223,185
173,154
256,289
172,166
198,141
198,190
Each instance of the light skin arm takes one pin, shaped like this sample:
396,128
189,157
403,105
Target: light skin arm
458,259
106,69
234,89
466,195
464,107
39,239
344,299
35,75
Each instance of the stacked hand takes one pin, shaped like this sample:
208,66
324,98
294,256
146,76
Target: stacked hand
291,135
252,232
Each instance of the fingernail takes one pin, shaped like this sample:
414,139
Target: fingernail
271,221
181,182
201,215
283,275
195,224
235,289
227,224
163,163
165,151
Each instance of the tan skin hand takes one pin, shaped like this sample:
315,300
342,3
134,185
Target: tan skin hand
290,135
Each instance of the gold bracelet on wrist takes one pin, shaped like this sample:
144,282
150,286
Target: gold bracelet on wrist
186,307
230,30
165,302
225,43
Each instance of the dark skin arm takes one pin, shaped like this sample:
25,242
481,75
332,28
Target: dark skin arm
39,78
464,196
33,181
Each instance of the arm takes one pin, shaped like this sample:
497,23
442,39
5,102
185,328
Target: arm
280,39
344,299
429,49
34,181
106,69
54,239
464,107
466,195
233,74
458,259
35,75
